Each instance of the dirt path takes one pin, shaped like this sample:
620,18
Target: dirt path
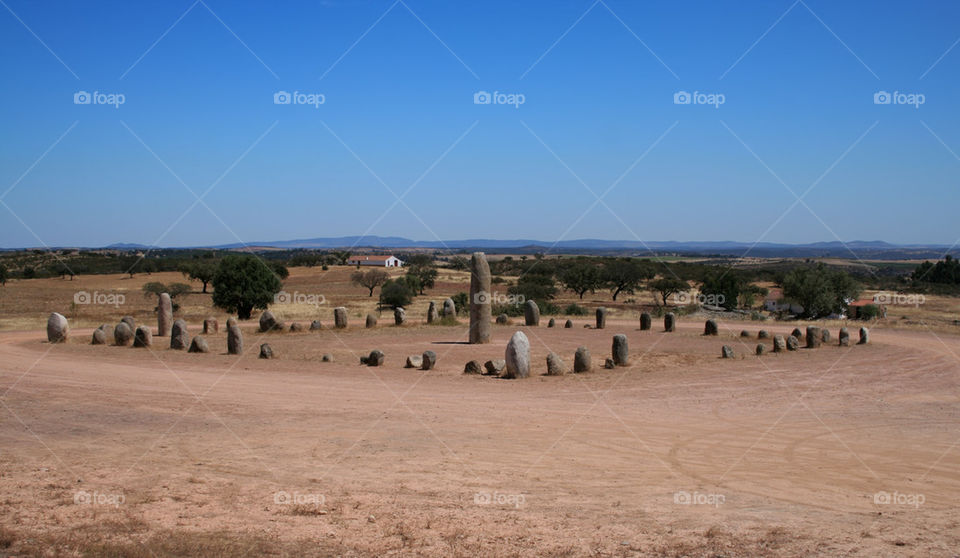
682,453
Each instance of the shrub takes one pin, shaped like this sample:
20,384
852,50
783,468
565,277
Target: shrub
575,310
396,293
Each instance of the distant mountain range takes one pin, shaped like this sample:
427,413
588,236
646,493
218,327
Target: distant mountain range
875,249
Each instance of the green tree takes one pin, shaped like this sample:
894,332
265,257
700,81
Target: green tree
370,279
421,267
624,275
200,270
459,263
396,293
666,287
723,287
279,269
341,256
819,290
532,285
581,277
154,288
243,283
4,274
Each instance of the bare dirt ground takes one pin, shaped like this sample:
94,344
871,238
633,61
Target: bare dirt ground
832,451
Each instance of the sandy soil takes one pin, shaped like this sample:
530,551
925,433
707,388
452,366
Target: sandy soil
129,452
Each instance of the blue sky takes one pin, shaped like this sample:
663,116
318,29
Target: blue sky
398,80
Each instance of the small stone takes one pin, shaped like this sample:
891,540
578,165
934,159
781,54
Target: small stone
210,325
143,337
601,317
198,345
517,356
376,358
58,330
473,367
744,333
315,325
327,357
131,323
414,361
844,337
295,327
265,351
669,322
429,360
503,319
797,333
621,353
122,334
399,316
552,323
646,321
568,324
710,328
793,343
779,344
763,334
761,348
371,321
179,340
727,351
494,367
609,364
555,365
581,360
268,322
864,336
449,308
825,335
99,337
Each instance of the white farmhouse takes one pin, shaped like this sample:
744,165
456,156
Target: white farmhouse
375,261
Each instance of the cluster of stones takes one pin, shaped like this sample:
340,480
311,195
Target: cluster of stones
516,363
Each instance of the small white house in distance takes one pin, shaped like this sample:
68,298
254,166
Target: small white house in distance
376,261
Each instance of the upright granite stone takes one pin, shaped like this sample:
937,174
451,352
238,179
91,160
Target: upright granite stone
793,343
621,354
727,351
449,308
744,333
555,365
825,335
844,337
814,337
164,315
143,337
234,338
601,317
99,337
179,340
779,344
669,321
199,345
552,323
371,321
315,325
122,334
763,334
266,352
710,328
581,360
131,323
517,356
268,322
399,316
480,307
210,325
58,330
646,321
864,336
503,319
432,314
761,349
429,360
340,317
797,333
568,324
531,313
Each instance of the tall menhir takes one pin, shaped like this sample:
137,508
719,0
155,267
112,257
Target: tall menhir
480,309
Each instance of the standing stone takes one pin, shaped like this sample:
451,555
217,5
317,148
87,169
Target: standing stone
295,327
234,338
581,360
552,323
727,351
326,357
844,337
371,321
210,325
399,315
825,336
555,365
122,334
58,330
763,334
814,337
531,313
568,324
178,335
198,345
669,321
710,328
744,333
131,323
143,337
315,325
432,314
517,356
494,367
646,321
761,348
268,322
779,344
340,317
864,336
480,308
376,358
414,361
164,315
793,343
449,308
473,367
99,337
609,364
429,360
601,317
621,354
265,351
503,319
797,333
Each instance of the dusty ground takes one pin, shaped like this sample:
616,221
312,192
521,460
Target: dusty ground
128,452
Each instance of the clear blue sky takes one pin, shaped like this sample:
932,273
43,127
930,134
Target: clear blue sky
398,80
